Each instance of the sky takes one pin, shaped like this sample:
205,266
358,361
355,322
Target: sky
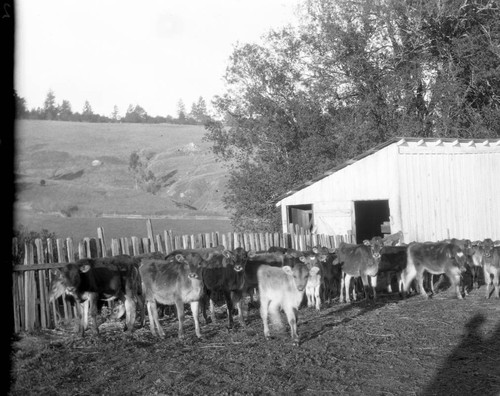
151,53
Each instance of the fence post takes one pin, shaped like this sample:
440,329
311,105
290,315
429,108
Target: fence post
135,246
29,289
115,247
149,226
44,306
160,244
102,242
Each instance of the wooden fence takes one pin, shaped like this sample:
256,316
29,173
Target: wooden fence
31,280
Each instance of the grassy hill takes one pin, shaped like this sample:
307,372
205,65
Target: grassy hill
81,170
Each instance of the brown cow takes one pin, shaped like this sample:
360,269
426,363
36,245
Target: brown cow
435,258
174,281
360,260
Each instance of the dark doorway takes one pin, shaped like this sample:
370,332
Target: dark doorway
370,215
301,215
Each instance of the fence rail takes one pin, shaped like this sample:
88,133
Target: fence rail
31,280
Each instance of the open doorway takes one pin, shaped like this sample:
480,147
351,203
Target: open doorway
301,215
370,217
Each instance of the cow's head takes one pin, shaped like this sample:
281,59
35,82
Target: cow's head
488,245
57,287
300,274
193,262
375,244
240,259
457,254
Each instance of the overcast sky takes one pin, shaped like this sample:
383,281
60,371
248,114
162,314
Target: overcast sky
122,52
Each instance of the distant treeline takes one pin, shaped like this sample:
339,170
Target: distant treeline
135,113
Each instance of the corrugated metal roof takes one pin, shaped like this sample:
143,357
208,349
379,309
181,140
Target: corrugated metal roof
414,141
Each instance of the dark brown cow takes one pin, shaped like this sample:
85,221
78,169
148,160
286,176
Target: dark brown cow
178,281
283,288
360,260
491,266
435,258
392,263
106,278
225,274
330,272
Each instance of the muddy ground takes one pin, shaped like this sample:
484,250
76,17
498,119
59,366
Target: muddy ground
439,346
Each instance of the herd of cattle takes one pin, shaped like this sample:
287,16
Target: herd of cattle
283,279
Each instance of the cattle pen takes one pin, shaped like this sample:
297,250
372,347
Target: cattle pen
31,280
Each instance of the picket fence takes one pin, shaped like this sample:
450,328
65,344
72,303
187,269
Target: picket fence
31,280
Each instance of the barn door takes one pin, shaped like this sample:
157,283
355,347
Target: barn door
301,215
371,219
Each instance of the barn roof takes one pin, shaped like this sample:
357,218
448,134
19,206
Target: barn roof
400,141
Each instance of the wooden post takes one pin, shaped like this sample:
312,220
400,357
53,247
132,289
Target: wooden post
42,283
159,243
50,259
71,251
102,242
135,246
115,247
151,238
145,245
29,290
125,245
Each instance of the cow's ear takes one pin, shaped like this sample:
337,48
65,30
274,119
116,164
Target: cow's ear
227,254
366,242
287,270
315,250
251,253
313,270
85,268
323,257
180,258
56,272
302,258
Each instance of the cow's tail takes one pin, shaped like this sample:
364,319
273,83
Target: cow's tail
409,272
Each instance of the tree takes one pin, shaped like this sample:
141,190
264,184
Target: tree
87,113
199,111
135,114
64,111
49,106
20,103
351,76
181,111
115,116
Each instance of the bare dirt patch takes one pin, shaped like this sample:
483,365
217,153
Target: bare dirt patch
440,346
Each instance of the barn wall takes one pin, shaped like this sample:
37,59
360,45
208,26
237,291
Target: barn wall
371,178
450,191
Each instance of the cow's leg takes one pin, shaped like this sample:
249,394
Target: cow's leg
366,286
264,311
407,276
291,315
179,305
195,310
93,311
229,309
130,313
420,282
487,280
142,309
373,285
343,296
496,282
84,317
154,321
454,276
347,284
317,296
212,310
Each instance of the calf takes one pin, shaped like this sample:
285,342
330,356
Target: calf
491,266
283,288
359,261
392,263
435,258
174,281
330,272
477,262
225,274
107,278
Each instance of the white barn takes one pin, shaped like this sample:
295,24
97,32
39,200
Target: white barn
429,189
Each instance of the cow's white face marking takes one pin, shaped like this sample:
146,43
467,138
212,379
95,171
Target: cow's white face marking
460,254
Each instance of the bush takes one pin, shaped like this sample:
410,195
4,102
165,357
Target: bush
23,236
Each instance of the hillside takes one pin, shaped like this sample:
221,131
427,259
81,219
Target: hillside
81,170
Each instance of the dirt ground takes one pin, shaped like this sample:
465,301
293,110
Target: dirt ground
439,346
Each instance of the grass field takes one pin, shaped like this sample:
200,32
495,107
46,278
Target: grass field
60,188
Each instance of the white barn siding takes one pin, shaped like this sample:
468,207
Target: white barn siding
436,190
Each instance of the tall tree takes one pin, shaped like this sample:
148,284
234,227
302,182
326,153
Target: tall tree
87,113
352,75
64,111
115,115
181,111
49,106
20,103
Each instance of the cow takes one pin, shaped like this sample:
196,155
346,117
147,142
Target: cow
359,260
105,278
435,258
392,263
491,266
225,274
330,272
283,288
178,281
